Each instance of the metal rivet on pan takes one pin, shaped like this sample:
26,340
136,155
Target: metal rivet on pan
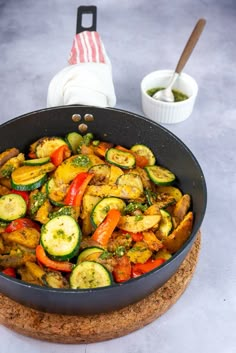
83,127
76,117
89,117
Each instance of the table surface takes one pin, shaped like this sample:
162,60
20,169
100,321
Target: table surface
35,40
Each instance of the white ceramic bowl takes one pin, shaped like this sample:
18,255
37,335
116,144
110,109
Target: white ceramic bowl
164,112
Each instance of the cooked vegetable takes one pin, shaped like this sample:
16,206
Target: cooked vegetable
104,213
74,141
160,175
12,206
179,235
166,223
122,270
26,236
90,254
60,237
21,223
55,279
139,269
138,223
12,164
63,266
37,161
119,158
89,274
144,151
9,271
77,189
29,184
102,208
47,145
130,179
121,191
74,165
6,155
104,231
61,153
101,173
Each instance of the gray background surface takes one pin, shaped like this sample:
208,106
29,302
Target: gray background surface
140,37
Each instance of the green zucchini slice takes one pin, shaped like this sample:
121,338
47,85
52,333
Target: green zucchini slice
101,173
29,184
160,175
37,161
101,209
47,145
120,158
12,206
90,274
171,191
61,237
74,140
55,193
165,225
131,179
90,253
143,150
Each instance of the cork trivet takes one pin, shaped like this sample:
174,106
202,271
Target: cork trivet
95,328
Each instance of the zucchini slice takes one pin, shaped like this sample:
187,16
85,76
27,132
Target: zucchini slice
74,140
122,159
47,145
90,254
37,161
12,206
143,150
90,274
132,180
61,237
165,225
160,175
29,184
56,193
101,209
101,173
171,191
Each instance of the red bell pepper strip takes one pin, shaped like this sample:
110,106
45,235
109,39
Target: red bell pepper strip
135,236
10,271
141,161
104,231
61,153
77,188
24,194
139,269
21,223
63,266
122,270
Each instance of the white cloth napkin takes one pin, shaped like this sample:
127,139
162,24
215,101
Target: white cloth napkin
88,78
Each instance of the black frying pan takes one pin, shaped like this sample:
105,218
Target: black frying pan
122,128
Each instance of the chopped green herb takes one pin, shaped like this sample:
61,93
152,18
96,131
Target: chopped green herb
81,161
133,206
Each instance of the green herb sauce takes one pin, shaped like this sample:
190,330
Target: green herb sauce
81,161
179,96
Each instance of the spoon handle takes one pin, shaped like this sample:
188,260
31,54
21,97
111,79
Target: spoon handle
190,45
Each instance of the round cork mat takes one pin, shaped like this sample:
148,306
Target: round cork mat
96,328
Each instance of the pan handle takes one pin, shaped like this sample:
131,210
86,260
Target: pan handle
86,10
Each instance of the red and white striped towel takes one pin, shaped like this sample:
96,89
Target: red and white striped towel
87,47
88,78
